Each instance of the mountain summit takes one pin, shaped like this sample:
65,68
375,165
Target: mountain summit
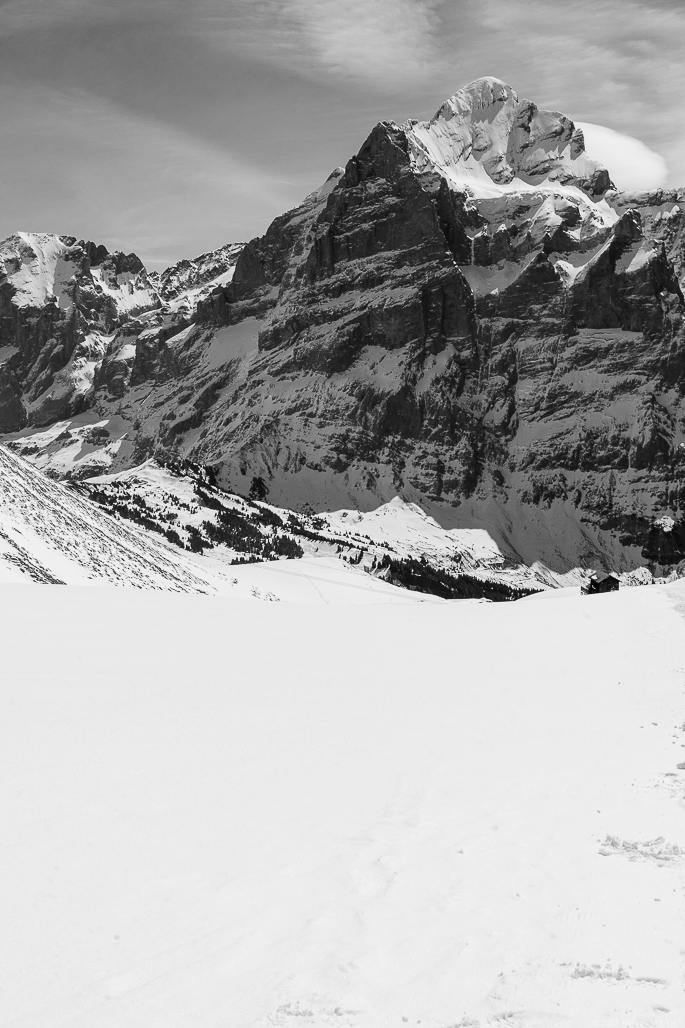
466,315
485,137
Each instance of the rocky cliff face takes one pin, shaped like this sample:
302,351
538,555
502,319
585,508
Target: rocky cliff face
72,316
61,301
467,315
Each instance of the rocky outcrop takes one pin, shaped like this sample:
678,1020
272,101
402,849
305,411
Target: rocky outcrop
467,314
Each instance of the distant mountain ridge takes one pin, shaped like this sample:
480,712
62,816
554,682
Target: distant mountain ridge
467,315
65,305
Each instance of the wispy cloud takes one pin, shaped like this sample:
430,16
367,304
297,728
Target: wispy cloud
76,164
385,42
20,15
388,40
615,62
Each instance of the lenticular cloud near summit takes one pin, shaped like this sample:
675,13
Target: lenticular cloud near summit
633,165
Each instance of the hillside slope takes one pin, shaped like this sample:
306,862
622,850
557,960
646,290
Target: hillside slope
397,542
50,534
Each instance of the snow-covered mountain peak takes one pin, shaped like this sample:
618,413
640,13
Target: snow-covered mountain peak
478,96
485,139
40,267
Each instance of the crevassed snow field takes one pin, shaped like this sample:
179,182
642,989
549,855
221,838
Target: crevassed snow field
220,813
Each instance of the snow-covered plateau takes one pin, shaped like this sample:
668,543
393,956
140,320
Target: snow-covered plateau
220,813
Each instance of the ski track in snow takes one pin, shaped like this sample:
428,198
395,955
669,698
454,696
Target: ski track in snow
217,813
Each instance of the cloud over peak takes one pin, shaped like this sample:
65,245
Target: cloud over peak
631,164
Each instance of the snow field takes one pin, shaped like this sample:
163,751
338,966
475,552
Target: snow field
222,813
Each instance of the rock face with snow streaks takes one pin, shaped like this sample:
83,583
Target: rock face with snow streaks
468,315
60,303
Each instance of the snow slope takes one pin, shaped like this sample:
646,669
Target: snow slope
52,534
55,534
48,534
37,265
230,815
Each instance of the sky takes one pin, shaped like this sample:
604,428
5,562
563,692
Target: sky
169,127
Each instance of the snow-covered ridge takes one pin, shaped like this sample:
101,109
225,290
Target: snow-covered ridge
527,182
43,268
95,306
38,267
488,140
190,279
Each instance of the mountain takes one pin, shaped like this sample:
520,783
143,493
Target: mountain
468,316
60,303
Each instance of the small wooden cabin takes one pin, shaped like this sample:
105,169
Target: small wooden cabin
600,583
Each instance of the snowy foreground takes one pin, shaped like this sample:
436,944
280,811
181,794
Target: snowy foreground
221,813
